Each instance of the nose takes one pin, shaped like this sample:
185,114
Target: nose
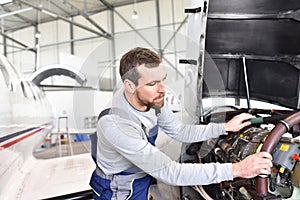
161,88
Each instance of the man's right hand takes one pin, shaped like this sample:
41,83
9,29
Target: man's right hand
253,165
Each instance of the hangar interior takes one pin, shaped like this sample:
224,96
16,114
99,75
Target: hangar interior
42,30
88,37
238,52
71,50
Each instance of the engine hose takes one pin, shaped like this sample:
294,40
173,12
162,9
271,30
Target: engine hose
269,145
270,120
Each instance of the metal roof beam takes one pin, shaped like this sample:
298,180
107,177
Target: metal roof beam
115,5
85,16
59,43
58,7
54,15
109,6
16,13
18,42
175,33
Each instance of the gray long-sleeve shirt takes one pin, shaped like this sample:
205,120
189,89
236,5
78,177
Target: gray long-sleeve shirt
123,144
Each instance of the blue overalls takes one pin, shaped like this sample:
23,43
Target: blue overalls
108,187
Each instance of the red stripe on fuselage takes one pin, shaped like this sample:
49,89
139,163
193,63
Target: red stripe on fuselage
20,139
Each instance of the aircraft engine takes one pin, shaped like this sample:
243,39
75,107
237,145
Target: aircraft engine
285,173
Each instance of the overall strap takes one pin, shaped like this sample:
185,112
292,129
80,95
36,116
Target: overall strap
152,135
140,181
94,138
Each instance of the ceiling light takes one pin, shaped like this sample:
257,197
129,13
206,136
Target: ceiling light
135,15
38,34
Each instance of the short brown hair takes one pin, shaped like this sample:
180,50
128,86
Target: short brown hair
134,58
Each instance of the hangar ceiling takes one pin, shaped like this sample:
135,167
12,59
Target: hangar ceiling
19,14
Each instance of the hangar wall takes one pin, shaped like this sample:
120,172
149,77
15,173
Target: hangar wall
56,37
57,44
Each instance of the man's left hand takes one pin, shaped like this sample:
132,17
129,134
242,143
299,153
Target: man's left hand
238,122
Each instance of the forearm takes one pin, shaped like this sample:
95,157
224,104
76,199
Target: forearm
161,167
172,126
195,174
196,133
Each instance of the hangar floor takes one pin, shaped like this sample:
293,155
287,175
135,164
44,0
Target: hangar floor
157,191
53,151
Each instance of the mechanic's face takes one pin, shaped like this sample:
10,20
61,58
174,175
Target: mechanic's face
150,90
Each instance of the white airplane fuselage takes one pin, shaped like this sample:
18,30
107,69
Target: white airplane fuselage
26,117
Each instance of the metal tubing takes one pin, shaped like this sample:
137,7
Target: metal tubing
269,145
246,82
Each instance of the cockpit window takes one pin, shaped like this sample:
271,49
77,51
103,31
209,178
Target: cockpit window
30,86
38,92
14,69
5,75
23,89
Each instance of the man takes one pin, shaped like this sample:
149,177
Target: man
126,154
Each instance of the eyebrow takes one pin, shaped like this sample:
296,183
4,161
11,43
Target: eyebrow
164,78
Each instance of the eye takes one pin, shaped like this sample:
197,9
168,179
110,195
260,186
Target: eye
153,83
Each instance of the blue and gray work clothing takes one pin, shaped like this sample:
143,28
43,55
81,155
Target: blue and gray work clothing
127,157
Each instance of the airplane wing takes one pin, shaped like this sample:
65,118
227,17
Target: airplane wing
59,176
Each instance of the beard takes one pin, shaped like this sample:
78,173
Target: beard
150,104
159,103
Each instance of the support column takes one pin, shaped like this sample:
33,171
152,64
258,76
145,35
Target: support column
72,38
158,29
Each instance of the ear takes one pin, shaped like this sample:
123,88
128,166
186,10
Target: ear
129,86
